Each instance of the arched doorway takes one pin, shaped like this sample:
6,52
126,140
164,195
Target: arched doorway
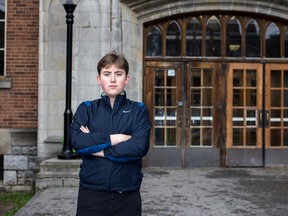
217,89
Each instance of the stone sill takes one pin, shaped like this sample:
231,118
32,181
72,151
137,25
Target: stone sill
5,83
53,139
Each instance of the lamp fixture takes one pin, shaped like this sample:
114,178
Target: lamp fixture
69,2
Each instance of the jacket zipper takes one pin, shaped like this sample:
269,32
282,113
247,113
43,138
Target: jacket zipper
111,130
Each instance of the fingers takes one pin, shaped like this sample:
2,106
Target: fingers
85,129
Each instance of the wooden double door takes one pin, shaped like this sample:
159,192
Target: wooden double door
216,114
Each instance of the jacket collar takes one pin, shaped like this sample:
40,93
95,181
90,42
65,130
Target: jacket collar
120,99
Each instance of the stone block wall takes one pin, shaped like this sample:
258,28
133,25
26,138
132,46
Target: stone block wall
19,163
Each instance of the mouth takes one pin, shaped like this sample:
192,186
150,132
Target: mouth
112,86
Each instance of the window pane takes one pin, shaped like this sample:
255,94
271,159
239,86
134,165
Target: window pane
171,116
159,77
196,78
285,137
285,79
251,78
194,38
275,78
171,78
213,37
285,120
154,42
159,117
238,97
159,97
159,136
275,137
207,136
275,98
286,44
272,41
238,77
251,97
286,98
238,137
2,34
195,117
2,9
253,39
251,138
171,97
238,117
173,40
207,78
207,117
207,97
195,137
171,136
234,38
195,97
275,119
2,62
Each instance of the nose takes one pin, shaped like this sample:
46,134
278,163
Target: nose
113,78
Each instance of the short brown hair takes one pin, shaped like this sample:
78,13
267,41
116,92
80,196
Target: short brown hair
113,58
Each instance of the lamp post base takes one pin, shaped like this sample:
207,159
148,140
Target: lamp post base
68,156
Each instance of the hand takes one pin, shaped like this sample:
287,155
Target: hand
99,154
85,129
118,138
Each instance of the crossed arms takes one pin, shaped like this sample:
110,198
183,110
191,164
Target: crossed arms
118,147
115,139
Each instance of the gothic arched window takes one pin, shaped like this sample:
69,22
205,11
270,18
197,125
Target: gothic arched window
173,40
213,37
253,36
154,42
234,38
272,38
194,38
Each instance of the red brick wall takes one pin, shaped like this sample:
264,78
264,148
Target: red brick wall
18,105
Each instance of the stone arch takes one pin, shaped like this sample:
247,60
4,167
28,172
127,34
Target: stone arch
150,10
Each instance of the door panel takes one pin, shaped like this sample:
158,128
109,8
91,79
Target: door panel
181,104
277,114
244,105
213,114
200,147
163,98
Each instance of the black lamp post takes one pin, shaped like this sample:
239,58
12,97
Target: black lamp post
67,152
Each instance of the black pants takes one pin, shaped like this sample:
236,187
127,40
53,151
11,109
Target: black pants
103,203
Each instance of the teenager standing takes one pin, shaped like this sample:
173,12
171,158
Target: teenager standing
112,135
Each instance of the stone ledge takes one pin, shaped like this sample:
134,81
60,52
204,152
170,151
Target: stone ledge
5,83
54,172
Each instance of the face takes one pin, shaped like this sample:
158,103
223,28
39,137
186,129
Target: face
113,81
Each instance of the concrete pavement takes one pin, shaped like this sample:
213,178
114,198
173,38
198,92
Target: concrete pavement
188,192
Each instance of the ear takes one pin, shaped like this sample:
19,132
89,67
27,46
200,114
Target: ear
127,79
99,79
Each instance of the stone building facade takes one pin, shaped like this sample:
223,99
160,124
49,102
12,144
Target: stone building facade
33,88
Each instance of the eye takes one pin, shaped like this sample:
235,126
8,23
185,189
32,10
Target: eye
119,74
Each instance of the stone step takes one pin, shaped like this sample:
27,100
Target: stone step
58,173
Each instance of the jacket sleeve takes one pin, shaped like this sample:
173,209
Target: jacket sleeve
86,143
138,146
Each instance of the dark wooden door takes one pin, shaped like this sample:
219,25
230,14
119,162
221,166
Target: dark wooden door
183,100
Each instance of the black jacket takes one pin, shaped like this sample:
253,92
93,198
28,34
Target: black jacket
120,169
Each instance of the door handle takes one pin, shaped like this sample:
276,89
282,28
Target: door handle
179,116
263,118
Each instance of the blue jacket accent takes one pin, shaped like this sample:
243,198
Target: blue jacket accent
120,168
87,103
93,149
